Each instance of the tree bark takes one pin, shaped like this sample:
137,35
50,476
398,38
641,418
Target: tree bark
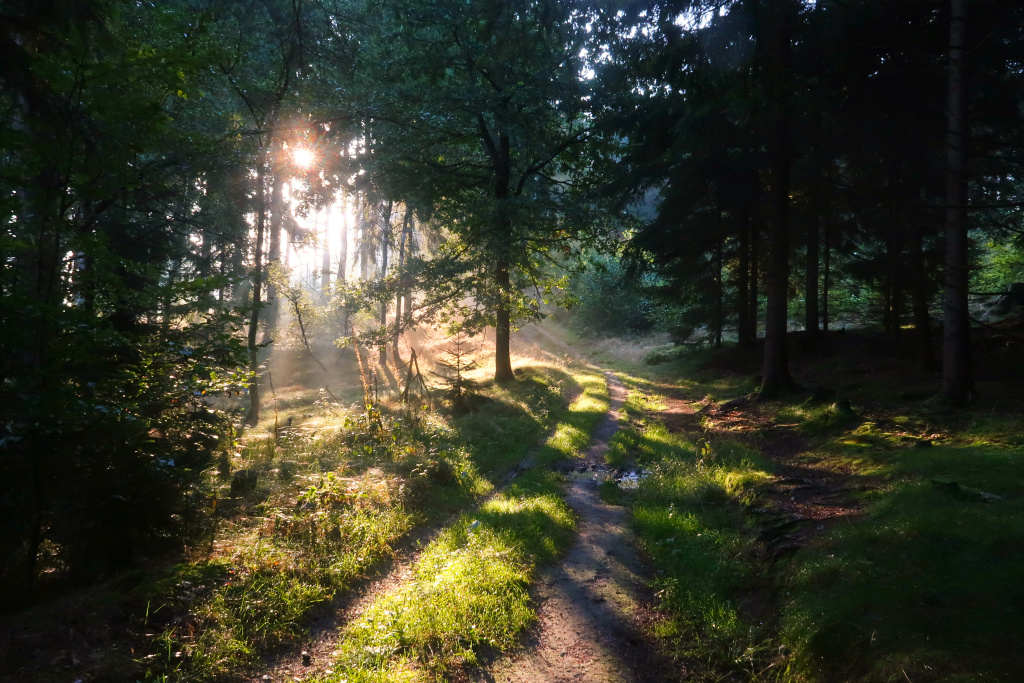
325,262
744,331
253,416
919,296
719,285
826,229
277,211
775,377
811,315
503,323
957,376
754,304
396,357
343,249
385,247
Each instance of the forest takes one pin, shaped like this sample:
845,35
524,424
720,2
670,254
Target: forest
330,329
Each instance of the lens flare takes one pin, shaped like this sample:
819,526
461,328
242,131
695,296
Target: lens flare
303,157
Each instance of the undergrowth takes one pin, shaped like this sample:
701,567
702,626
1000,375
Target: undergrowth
469,591
302,507
922,585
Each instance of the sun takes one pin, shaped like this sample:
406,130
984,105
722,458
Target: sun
303,157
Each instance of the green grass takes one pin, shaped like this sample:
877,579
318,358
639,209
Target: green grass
469,590
334,497
929,584
687,516
925,585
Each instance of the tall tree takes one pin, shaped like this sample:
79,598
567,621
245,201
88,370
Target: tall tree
481,126
957,378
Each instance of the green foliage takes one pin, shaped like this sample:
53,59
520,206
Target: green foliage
606,302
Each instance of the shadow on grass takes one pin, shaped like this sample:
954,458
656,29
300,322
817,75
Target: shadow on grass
929,585
515,417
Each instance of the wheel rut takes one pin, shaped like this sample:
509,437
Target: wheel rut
591,606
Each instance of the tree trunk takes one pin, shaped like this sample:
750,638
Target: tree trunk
811,294
325,263
719,285
503,324
754,304
826,228
343,249
278,208
253,416
957,377
744,331
919,296
775,377
503,327
385,246
400,315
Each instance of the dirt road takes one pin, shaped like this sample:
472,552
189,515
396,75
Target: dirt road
591,605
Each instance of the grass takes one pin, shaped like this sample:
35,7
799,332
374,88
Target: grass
924,585
929,585
688,517
335,493
357,486
469,591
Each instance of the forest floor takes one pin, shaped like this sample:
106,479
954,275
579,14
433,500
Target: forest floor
642,519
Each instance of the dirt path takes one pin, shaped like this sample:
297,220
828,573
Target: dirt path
807,494
591,606
290,663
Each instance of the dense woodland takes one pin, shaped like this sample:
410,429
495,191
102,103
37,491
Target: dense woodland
727,171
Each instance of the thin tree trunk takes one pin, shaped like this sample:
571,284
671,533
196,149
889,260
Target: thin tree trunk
719,285
385,246
826,225
253,416
919,296
811,293
399,268
753,305
325,263
277,211
744,331
743,327
343,256
957,376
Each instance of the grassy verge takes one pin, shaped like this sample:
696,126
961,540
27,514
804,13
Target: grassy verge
928,585
469,591
922,585
327,495
688,515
